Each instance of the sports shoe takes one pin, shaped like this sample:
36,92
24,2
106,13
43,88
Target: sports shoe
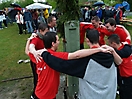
32,97
20,61
26,61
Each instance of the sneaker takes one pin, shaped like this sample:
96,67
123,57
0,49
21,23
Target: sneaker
117,92
20,61
26,61
32,97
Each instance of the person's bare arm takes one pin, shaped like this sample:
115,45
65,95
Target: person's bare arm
34,52
85,52
28,43
118,60
27,47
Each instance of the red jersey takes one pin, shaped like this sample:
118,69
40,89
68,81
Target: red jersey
125,67
121,33
38,43
48,79
85,25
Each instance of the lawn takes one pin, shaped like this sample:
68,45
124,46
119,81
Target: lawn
11,50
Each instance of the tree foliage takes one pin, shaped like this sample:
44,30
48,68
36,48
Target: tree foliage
69,10
23,4
5,4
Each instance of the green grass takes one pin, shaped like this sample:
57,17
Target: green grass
11,50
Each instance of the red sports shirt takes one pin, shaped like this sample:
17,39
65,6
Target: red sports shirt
121,33
85,25
48,79
125,67
38,43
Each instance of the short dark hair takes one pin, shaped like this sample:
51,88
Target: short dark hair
50,19
93,36
48,38
114,38
42,26
96,18
111,21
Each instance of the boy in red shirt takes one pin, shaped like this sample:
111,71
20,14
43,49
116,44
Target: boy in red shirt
124,35
36,43
125,68
95,24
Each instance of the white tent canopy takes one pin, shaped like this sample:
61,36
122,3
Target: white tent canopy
38,6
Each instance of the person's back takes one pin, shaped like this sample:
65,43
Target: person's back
99,81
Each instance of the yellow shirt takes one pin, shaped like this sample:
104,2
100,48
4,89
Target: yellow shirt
46,13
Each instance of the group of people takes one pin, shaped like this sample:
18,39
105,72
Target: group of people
30,19
102,13
109,28
96,67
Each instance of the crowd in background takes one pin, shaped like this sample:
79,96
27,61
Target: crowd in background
27,20
103,13
30,19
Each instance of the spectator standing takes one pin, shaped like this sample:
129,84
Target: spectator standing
113,12
92,13
19,21
1,20
4,19
118,15
99,13
46,14
35,19
28,20
107,13
87,14
41,18
51,23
